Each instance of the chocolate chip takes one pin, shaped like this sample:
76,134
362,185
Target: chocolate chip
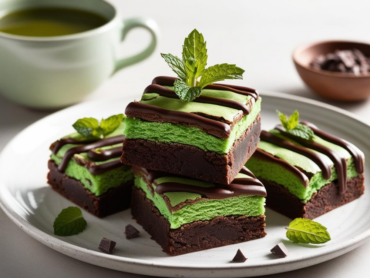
239,257
131,232
280,250
345,61
107,245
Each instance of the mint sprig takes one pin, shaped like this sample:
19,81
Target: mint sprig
91,129
191,69
194,55
303,230
69,222
292,126
220,72
176,64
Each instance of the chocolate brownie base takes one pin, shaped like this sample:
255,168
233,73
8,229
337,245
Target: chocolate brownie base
323,201
192,161
196,236
115,200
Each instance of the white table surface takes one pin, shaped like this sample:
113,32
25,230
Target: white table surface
258,36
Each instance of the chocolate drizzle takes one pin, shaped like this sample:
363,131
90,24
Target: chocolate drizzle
247,172
273,139
357,156
147,112
93,168
228,191
169,81
165,92
339,163
239,186
55,147
261,154
104,155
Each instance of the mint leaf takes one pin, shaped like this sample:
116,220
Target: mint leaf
302,131
176,64
293,126
283,119
69,222
303,230
185,92
293,120
110,124
87,127
219,73
194,55
90,128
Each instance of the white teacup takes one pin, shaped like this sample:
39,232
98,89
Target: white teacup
53,72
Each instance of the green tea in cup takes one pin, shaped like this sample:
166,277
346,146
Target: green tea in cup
50,22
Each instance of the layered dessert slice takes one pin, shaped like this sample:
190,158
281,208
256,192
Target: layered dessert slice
185,215
88,172
307,178
209,138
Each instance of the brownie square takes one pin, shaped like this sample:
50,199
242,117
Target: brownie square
209,139
114,200
205,216
307,178
88,172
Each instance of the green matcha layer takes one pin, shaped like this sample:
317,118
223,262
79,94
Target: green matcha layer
167,132
275,171
180,208
80,165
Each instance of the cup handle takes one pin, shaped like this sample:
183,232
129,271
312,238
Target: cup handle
128,25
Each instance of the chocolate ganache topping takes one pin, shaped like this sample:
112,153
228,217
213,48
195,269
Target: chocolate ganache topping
89,146
239,186
212,126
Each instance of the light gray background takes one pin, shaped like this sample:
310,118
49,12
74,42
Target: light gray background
258,36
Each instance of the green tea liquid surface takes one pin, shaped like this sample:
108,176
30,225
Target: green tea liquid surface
49,22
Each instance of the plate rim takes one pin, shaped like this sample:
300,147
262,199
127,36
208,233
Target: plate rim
58,244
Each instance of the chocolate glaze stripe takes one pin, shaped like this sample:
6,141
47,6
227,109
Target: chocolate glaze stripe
261,154
105,154
231,190
168,81
235,89
55,147
244,170
339,163
325,168
242,186
165,92
357,157
246,181
102,168
146,112
80,149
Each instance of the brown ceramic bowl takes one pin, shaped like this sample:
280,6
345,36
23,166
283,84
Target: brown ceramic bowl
332,85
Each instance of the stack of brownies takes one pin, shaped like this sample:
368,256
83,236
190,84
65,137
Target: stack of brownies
192,191
181,165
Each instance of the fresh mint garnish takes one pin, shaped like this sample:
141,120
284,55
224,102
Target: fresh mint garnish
191,69
176,64
303,230
293,126
91,129
107,126
69,222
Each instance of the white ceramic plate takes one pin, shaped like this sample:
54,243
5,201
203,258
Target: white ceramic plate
33,206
